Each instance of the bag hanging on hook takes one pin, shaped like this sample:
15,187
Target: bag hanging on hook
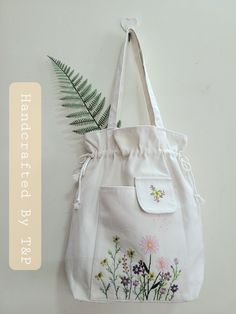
136,231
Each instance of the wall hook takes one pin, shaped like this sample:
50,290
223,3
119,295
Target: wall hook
127,22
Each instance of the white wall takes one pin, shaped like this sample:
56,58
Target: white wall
190,49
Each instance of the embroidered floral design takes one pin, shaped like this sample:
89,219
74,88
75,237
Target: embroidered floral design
149,244
124,277
162,263
157,193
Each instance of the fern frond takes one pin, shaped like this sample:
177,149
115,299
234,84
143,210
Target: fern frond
73,105
99,107
95,101
104,118
78,94
82,121
78,114
86,129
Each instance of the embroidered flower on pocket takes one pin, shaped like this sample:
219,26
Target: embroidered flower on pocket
126,276
156,193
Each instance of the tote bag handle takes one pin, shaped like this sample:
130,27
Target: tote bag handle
153,110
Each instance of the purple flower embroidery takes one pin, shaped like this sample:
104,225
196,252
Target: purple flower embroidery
135,283
125,280
174,288
125,264
136,269
157,193
162,291
139,268
167,276
125,277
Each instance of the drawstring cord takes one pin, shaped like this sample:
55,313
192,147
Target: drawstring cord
84,160
185,163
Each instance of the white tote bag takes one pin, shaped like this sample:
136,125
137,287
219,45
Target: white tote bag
136,232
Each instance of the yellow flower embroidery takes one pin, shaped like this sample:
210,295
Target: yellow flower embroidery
104,262
116,239
130,253
99,276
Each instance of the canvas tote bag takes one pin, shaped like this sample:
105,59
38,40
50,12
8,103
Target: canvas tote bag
136,232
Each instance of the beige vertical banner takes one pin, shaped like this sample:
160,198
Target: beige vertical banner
25,176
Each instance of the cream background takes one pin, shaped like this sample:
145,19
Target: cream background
190,49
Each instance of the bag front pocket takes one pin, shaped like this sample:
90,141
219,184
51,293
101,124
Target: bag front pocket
139,256
156,194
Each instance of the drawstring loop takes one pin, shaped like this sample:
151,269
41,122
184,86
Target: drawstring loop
78,175
185,163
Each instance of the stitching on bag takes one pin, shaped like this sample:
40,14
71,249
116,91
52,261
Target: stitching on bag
109,129
111,187
95,244
154,177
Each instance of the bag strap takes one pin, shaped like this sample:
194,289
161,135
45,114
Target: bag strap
153,110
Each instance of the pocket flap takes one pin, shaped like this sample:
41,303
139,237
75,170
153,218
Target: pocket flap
156,194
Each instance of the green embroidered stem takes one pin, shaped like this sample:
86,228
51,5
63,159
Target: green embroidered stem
137,278
148,281
176,274
142,288
130,277
105,288
115,265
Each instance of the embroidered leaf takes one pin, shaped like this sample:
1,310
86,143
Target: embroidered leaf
146,268
156,285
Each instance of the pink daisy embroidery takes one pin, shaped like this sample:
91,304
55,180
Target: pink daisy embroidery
162,264
149,244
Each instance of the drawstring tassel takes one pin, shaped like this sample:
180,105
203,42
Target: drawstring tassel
84,160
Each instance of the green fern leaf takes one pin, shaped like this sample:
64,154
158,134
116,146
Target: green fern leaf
69,98
82,85
82,121
104,118
85,91
73,105
86,129
99,107
78,114
90,96
77,94
93,103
